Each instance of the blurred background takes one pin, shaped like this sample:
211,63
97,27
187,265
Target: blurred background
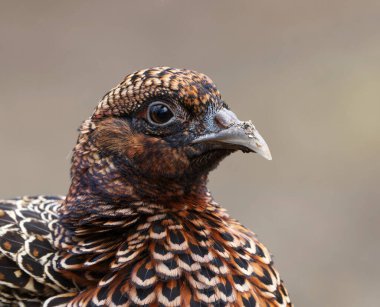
306,72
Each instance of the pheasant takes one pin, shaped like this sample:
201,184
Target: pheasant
138,226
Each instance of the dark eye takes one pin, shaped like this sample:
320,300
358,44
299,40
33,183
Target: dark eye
159,113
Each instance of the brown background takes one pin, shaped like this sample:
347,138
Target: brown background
306,72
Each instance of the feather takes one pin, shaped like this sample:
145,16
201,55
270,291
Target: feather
138,226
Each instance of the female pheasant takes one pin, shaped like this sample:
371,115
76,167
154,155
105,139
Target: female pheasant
138,226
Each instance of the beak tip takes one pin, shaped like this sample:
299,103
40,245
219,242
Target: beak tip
269,158
265,154
260,147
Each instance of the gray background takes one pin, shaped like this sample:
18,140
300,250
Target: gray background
306,72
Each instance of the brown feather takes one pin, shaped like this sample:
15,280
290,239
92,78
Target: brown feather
138,226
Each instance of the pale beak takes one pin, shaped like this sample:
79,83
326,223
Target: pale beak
237,135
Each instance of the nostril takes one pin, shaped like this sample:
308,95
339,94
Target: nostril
225,118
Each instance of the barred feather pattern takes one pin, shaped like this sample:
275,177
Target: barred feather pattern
158,256
196,256
138,226
27,272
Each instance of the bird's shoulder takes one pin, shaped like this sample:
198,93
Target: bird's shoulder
26,250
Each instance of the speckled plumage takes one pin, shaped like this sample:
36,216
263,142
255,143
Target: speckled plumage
138,226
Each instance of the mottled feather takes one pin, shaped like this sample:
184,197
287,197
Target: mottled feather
138,226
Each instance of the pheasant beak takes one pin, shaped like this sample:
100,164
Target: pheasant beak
236,135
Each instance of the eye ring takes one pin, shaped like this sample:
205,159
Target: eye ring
159,113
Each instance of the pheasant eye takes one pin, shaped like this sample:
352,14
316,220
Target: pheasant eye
159,113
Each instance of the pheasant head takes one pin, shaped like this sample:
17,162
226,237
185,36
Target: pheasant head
138,224
157,135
